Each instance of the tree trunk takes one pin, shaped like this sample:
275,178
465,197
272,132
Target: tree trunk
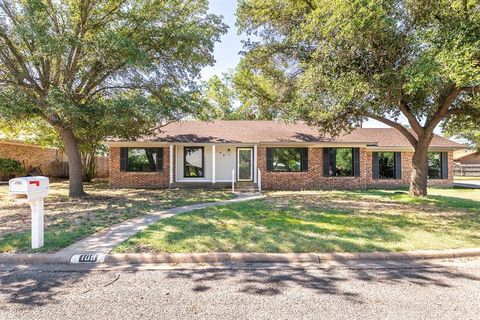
75,167
418,179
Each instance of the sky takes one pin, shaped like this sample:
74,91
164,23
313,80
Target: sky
227,51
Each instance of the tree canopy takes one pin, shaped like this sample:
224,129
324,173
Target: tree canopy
229,97
83,65
333,62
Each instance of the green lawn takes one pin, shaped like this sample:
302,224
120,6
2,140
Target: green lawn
322,221
68,220
465,178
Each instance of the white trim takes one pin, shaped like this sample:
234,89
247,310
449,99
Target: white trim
213,164
368,145
255,164
259,181
201,181
409,149
251,164
171,164
135,144
194,180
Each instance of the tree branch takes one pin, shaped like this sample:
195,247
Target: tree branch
20,60
440,114
412,120
410,137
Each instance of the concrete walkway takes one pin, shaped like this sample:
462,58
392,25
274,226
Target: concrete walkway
109,238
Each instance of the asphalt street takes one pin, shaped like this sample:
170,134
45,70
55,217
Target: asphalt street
449,290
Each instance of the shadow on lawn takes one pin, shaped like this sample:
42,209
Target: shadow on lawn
255,227
436,200
68,220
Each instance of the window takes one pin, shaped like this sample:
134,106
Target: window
143,159
434,165
344,162
287,159
341,162
386,165
193,162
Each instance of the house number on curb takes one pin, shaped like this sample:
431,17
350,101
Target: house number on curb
87,258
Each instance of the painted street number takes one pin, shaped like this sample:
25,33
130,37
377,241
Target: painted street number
87,258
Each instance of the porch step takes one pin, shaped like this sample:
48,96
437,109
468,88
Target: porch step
246,187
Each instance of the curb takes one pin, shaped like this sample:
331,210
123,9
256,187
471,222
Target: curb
228,258
139,258
36,258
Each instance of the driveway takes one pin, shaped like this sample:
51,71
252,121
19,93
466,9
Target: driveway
467,183
416,291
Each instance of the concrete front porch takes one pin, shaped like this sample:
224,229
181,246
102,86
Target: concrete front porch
213,166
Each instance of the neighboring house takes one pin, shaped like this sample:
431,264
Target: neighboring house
466,156
30,155
53,162
282,156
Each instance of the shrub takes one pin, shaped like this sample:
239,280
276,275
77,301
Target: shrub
10,168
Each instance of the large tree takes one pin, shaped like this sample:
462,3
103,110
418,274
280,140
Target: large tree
465,127
222,96
78,62
333,62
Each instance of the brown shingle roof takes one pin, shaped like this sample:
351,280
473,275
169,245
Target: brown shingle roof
257,131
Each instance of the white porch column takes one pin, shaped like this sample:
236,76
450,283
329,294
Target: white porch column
213,163
255,170
171,163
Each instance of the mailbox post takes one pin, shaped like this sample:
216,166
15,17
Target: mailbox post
32,190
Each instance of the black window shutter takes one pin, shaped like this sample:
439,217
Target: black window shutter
326,162
304,159
123,159
356,162
159,159
444,165
375,166
398,165
269,159
333,162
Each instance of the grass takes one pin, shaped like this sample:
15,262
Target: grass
466,178
68,220
322,221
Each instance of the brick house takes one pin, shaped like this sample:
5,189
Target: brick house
277,155
30,155
467,157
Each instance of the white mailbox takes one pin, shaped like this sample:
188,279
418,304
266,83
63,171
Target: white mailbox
32,190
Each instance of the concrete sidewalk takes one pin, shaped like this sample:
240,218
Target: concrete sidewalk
104,241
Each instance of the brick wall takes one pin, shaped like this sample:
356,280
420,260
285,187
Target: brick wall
314,179
31,155
138,179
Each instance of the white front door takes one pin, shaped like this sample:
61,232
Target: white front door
245,164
